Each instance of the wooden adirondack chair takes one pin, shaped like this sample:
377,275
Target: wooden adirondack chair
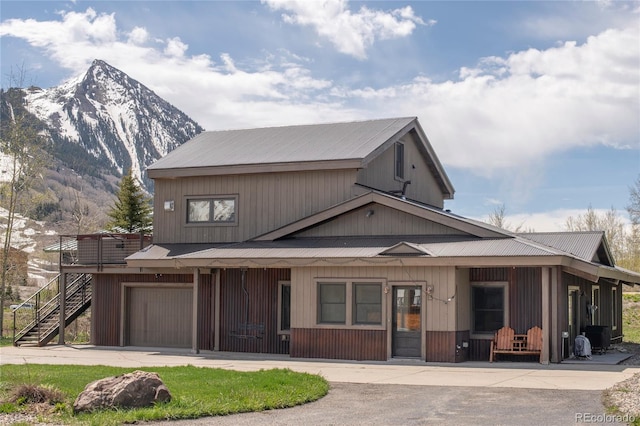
534,341
502,342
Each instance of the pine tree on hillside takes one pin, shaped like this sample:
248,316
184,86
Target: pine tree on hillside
132,209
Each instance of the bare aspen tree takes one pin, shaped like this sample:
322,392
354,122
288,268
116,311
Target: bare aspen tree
21,147
498,219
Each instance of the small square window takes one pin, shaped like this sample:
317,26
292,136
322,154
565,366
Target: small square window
199,210
224,210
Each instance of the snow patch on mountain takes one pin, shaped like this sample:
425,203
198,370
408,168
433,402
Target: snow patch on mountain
113,117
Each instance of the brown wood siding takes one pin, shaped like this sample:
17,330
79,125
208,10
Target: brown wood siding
262,292
380,174
265,202
106,304
489,274
446,346
105,310
525,299
383,221
479,349
206,313
351,344
525,294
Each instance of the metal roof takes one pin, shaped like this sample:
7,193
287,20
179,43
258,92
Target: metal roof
432,246
341,251
584,245
316,142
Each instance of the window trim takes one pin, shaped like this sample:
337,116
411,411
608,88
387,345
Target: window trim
505,321
280,285
211,198
349,303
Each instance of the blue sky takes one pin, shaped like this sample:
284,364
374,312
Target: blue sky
534,105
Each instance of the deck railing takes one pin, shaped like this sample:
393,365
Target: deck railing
100,249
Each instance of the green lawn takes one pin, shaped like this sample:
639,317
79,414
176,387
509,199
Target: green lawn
197,392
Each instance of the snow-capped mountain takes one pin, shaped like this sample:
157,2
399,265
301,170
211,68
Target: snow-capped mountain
116,119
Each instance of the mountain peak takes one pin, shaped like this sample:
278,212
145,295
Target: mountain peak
114,118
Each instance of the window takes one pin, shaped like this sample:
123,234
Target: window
350,303
284,307
211,210
488,308
332,299
367,303
399,160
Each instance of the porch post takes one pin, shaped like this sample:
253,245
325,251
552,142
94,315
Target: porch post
544,356
62,295
195,328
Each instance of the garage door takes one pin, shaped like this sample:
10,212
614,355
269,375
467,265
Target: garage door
159,317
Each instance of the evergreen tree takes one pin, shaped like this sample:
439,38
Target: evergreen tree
132,209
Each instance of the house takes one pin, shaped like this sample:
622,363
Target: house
332,241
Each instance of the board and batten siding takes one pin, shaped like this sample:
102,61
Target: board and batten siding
253,301
380,174
265,202
524,304
374,220
440,316
107,302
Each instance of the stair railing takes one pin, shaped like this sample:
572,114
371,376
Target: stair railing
35,303
46,302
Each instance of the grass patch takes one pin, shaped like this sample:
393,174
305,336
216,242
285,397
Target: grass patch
196,391
631,317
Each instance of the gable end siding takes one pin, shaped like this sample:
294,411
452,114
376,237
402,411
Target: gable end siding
374,220
380,174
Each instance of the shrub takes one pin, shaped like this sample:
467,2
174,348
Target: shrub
36,394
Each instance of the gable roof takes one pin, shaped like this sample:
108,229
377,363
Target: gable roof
289,148
586,245
473,228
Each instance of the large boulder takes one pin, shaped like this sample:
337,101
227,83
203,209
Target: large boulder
132,390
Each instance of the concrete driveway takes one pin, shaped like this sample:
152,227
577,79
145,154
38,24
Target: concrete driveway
394,392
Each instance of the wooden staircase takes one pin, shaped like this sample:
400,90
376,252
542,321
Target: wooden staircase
44,322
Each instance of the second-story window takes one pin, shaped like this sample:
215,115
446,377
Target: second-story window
211,210
399,160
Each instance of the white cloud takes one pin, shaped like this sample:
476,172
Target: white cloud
502,114
510,112
138,36
175,47
350,32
